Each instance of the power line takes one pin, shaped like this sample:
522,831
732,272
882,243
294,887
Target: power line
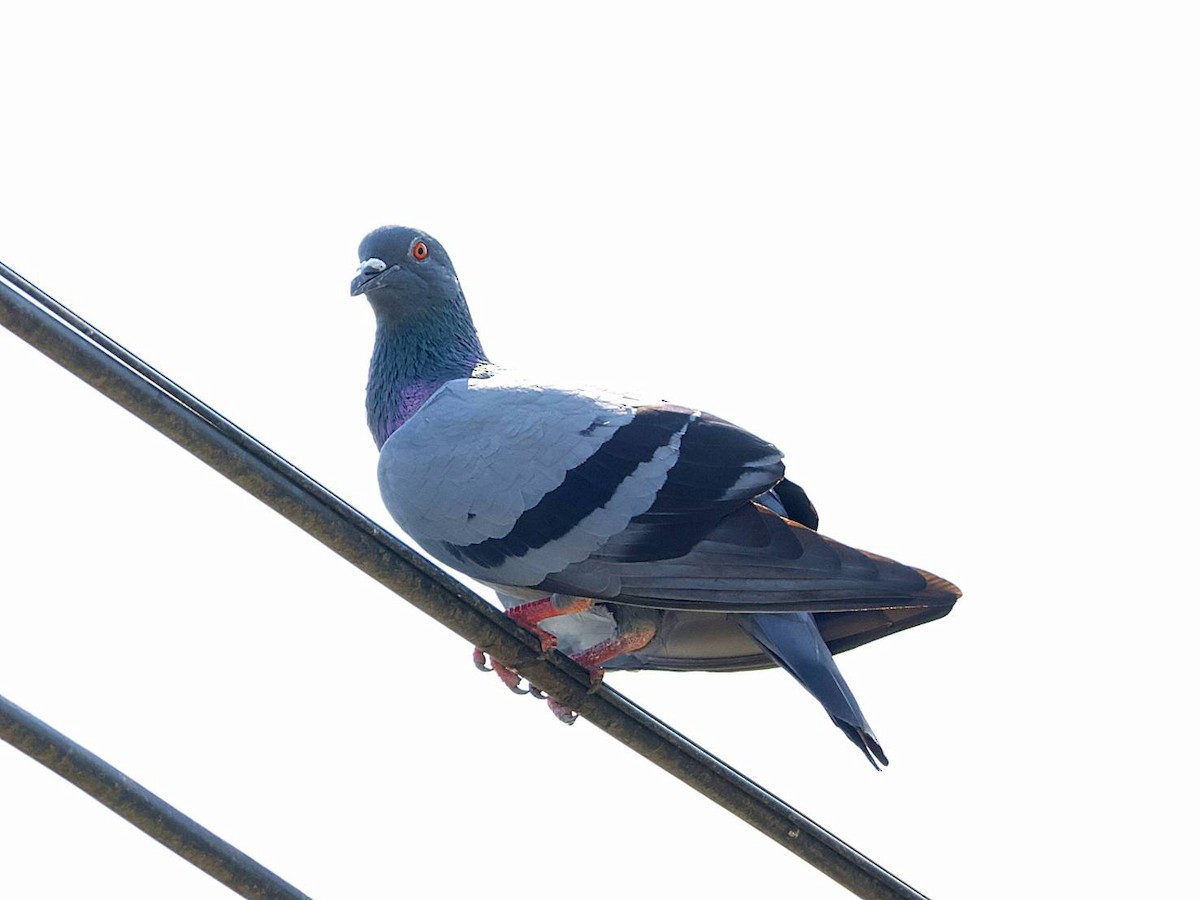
132,802
120,375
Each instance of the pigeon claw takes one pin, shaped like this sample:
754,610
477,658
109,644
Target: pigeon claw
510,678
561,711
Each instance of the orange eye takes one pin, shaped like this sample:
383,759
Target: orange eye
419,250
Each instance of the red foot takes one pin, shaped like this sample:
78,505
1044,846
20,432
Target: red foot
594,657
530,614
564,714
510,678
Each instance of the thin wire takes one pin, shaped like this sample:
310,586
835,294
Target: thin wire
153,815
103,363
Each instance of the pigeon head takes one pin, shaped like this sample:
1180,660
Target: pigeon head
407,276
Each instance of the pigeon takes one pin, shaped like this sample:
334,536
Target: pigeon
629,534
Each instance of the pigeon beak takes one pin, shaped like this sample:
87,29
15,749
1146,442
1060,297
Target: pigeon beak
368,271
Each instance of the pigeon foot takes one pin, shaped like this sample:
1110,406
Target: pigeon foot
561,711
510,678
530,614
629,639
593,659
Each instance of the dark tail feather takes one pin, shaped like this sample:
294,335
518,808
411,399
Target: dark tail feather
793,640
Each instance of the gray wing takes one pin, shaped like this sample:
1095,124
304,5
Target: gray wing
749,560
530,487
727,532
568,477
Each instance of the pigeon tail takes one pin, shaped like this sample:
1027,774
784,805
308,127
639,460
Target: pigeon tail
793,640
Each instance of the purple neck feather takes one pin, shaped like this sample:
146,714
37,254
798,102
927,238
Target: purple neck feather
409,364
404,402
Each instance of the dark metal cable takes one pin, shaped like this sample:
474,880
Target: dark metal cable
135,804
120,375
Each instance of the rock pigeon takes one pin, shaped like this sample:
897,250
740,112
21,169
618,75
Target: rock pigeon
629,534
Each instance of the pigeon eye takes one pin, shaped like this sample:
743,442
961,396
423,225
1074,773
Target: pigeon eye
419,250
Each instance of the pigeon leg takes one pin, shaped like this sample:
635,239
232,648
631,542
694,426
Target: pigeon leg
510,678
626,641
635,629
529,615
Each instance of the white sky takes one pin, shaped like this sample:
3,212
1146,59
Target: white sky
943,254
